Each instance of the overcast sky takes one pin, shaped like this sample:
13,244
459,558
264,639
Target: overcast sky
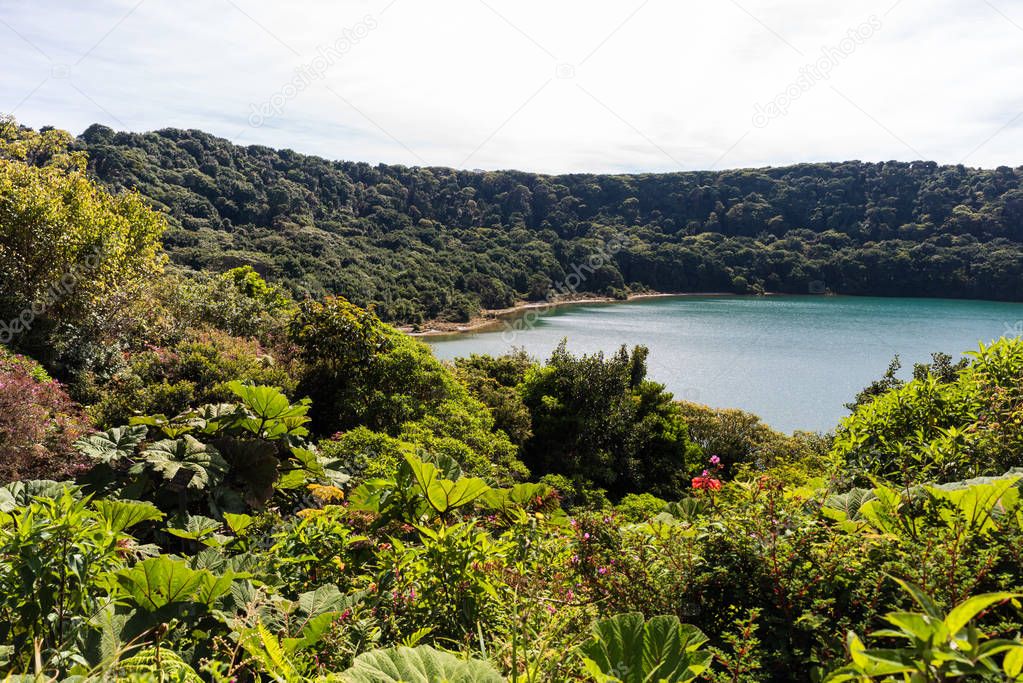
547,85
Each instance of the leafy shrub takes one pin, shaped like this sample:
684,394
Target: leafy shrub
239,302
938,647
941,367
638,507
196,370
444,581
38,423
56,549
496,382
230,456
365,454
578,493
746,446
935,430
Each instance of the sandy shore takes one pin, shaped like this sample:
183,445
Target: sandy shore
492,318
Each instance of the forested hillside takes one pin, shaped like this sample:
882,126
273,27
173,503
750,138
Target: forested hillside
425,243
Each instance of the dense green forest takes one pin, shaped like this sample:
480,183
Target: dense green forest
205,478
438,243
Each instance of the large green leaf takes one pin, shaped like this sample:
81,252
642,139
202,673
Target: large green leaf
109,639
312,631
160,581
210,417
871,663
518,496
172,429
213,586
624,648
326,598
448,466
444,494
979,504
421,664
201,529
148,664
1013,664
265,402
168,457
688,509
272,414
845,507
112,445
925,601
884,512
21,493
309,461
965,611
238,523
121,514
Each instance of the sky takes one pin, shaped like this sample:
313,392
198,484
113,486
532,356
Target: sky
549,86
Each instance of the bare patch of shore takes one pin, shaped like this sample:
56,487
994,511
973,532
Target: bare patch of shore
492,318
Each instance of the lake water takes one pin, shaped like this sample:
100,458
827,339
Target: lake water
795,361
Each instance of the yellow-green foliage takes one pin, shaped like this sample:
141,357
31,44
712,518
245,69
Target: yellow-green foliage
67,247
364,453
194,371
933,430
360,371
749,448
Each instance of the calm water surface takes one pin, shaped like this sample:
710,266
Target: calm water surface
792,360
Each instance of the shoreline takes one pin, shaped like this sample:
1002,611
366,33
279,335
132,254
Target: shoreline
490,318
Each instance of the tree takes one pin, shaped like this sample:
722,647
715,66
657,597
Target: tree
360,371
72,255
598,419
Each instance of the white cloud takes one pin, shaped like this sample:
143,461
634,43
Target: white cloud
544,86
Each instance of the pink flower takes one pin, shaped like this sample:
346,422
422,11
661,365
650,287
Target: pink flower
602,571
586,536
715,460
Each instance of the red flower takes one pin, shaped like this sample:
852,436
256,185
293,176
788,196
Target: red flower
708,483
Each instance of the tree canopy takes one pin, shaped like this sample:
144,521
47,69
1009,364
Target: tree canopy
439,243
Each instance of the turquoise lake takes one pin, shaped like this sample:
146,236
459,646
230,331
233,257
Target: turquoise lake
794,361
